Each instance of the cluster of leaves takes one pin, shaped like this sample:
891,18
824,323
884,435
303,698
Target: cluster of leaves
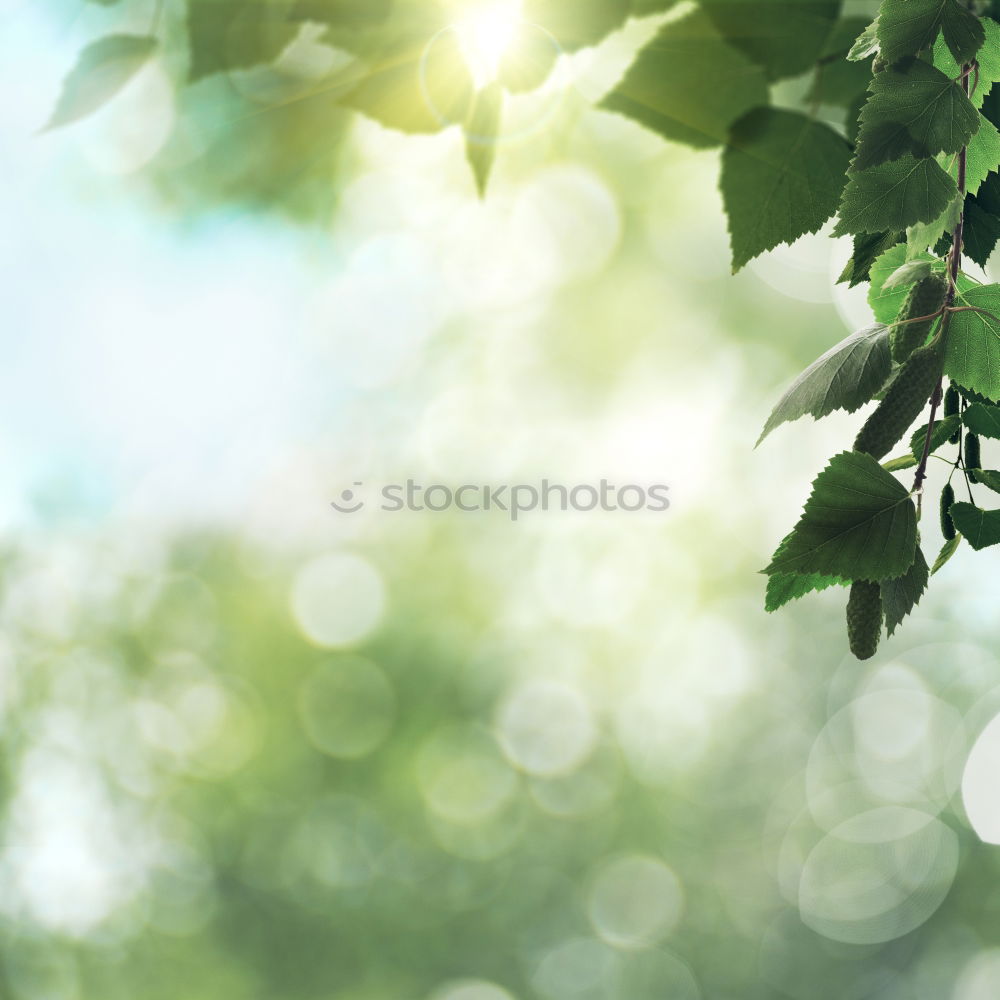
920,192
905,155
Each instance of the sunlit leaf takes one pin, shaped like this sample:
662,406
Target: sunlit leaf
101,70
482,132
688,85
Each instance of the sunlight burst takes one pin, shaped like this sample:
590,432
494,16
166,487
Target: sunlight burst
485,34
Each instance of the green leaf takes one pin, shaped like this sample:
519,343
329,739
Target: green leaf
913,108
908,274
845,378
900,595
785,587
858,523
836,80
481,133
990,478
345,17
688,85
899,463
972,354
226,35
943,430
886,302
528,60
866,44
980,528
988,59
893,196
413,87
101,70
906,27
926,234
868,247
980,231
576,24
947,551
785,39
782,174
982,419
982,156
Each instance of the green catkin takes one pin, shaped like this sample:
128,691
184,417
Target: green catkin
864,618
947,524
924,299
902,404
972,456
952,401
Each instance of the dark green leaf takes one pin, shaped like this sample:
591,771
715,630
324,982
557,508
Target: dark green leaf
868,247
943,429
913,108
983,419
980,232
899,463
785,39
906,27
989,478
785,587
782,174
845,378
893,196
688,85
972,354
980,528
900,595
947,551
858,523
101,70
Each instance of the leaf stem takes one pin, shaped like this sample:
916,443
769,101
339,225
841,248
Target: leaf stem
954,266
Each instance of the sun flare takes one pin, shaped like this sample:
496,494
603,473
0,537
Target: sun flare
485,34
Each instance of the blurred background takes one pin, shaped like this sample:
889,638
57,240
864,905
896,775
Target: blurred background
256,748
